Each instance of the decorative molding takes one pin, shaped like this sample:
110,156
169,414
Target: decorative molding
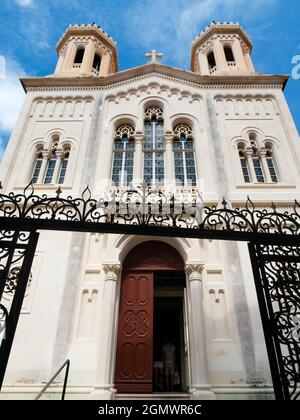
61,107
124,129
248,105
182,129
152,111
153,70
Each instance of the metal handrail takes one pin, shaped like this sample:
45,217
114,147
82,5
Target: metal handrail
66,364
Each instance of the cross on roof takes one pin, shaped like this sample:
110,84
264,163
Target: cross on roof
154,55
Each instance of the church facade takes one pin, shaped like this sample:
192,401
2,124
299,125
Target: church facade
112,303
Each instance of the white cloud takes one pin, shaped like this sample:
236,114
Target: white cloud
157,22
11,98
24,3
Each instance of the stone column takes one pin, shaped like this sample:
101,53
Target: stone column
104,388
69,57
239,55
170,173
105,65
220,56
200,390
249,62
59,156
248,154
88,58
203,64
138,159
60,62
46,155
265,167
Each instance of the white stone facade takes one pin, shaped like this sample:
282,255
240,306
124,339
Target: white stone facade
72,305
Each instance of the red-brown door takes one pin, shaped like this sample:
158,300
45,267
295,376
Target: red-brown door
135,335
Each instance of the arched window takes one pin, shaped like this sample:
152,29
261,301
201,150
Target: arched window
154,146
79,57
184,156
244,163
229,55
37,166
64,165
50,165
124,146
271,162
211,62
96,63
258,163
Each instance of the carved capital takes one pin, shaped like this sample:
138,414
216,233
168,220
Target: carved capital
139,137
45,154
111,271
169,137
263,153
59,154
249,152
194,271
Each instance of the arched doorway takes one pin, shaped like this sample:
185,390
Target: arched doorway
152,324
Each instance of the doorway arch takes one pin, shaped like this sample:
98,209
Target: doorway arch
151,270
153,256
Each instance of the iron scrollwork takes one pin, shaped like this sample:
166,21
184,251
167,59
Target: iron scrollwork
150,211
150,207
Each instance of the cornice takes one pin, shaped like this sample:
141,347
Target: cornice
53,83
85,30
221,29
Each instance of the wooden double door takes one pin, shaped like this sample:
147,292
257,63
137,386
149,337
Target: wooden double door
134,362
135,335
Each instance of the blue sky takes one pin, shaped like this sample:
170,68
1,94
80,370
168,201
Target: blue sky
30,30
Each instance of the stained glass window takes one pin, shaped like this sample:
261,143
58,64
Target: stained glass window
245,170
271,164
37,167
184,161
257,167
124,147
63,168
154,148
244,163
50,169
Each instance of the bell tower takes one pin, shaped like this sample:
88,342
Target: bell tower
86,50
222,49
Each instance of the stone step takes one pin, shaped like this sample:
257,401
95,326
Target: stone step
154,396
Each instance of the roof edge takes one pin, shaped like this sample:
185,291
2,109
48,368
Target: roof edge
126,75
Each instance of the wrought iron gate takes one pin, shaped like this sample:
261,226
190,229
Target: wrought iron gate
273,237
276,271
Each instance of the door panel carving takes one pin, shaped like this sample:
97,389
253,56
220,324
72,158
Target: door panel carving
135,335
